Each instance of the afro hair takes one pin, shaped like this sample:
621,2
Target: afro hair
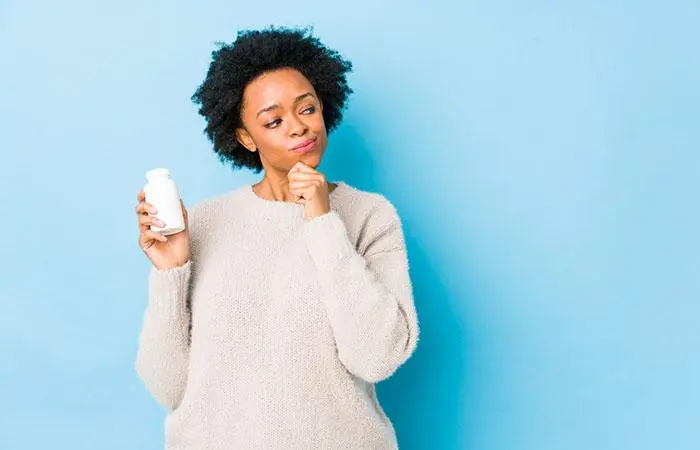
253,53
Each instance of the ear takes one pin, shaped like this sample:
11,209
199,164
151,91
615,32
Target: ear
244,138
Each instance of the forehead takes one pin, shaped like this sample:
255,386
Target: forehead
277,87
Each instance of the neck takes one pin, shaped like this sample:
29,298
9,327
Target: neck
274,187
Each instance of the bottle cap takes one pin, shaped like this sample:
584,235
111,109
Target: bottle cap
160,172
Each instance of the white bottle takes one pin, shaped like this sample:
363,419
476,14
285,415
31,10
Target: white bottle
161,192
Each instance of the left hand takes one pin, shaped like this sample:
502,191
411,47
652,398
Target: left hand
311,188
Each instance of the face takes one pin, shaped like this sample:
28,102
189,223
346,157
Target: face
282,120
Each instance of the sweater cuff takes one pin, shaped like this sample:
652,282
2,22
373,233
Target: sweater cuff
327,240
168,287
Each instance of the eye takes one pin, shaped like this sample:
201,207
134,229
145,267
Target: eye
309,110
274,124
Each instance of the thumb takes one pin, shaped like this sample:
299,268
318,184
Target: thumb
185,215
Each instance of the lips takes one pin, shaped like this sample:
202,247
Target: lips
304,146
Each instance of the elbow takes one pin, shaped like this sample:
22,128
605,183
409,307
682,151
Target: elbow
374,374
375,364
166,392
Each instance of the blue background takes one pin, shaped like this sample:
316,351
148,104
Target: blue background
543,156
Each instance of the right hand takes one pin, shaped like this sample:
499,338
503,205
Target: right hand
165,252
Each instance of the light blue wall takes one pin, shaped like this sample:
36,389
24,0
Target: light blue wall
543,155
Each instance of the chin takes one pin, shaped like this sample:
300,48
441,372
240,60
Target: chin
311,159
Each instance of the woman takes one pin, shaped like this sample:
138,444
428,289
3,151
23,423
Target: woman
272,316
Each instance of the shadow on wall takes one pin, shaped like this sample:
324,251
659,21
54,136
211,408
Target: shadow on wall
425,398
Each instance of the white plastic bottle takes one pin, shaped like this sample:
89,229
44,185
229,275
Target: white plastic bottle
162,193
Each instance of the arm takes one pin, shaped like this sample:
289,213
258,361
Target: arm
368,297
163,351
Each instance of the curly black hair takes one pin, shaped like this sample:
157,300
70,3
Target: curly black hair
253,53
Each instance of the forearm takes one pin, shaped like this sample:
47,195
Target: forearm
368,298
163,351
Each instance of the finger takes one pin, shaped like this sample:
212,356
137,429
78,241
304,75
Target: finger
303,168
300,193
185,215
307,192
155,235
301,196
302,183
146,208
318,181
147,226
150,220
148,238
297,176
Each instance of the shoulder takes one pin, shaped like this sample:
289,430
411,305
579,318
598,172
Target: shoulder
363,205
367,215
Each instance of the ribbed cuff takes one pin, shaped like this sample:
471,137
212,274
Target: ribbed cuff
168,290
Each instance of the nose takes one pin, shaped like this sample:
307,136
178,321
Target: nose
297,127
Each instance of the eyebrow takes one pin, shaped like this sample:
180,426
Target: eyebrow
275,106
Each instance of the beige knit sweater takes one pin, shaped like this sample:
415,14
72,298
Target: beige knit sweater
273,334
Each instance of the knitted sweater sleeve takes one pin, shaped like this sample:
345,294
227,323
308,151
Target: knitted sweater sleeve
368,297
163,352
